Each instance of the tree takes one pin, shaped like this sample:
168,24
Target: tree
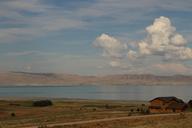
42,103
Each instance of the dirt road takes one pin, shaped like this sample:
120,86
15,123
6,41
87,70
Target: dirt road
109,119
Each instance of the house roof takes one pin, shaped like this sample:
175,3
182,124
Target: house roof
168,99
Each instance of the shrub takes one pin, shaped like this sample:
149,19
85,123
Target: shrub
94,109
107,106
138,109
13,114
132,110
145,112
42,103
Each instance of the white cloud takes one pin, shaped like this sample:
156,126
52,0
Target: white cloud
61,23
119,64
178,40
132,55
144,48
112,47
24,53
27,53
163,40
115,64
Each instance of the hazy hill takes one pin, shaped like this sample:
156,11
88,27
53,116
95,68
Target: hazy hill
26,78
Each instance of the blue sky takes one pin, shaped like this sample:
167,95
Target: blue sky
59,35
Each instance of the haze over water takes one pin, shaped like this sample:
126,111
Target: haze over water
122,92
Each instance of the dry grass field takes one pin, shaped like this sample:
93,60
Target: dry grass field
21,113
172,121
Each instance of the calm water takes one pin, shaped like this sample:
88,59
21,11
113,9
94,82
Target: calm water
99,92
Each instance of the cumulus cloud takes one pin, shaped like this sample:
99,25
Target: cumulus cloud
163,40
132,55
144,48
111,46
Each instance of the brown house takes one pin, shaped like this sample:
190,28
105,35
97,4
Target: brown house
166,105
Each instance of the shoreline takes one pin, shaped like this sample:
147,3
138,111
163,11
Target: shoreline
68,99
74,99
91,84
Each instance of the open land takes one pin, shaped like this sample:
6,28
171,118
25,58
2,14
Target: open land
71,113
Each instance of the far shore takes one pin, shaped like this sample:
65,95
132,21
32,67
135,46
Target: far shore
90,84
53,79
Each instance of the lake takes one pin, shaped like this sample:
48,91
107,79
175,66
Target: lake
122,92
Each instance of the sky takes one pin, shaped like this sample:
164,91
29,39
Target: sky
96,37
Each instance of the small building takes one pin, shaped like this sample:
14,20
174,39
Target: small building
167,105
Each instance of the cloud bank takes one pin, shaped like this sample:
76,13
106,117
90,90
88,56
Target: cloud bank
29,19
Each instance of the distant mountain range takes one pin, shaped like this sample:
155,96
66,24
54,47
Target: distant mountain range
27,78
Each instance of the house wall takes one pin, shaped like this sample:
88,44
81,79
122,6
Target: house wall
156,102
152,110
163,105
179,110
176,110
